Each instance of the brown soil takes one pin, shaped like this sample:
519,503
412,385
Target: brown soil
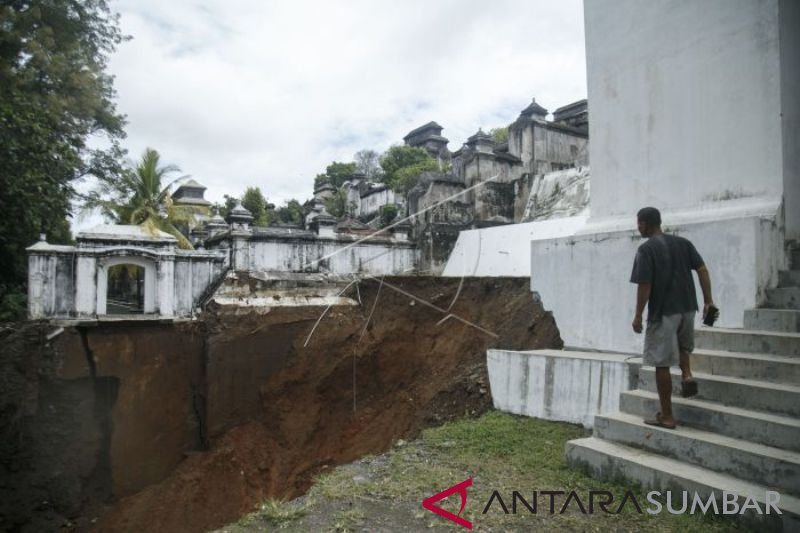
275,413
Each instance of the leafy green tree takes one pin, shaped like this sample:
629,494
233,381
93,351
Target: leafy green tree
291,213
143,196
338,173
500,135
388,214
319,180
403,164
224,208
54,94
254,201
336,204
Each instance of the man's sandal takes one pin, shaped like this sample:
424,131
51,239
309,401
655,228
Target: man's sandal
658,422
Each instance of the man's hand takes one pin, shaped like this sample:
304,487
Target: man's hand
706,308
637,323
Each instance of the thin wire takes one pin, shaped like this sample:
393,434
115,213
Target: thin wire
324,313
409,217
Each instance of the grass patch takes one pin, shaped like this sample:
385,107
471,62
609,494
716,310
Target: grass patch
276,513
500,452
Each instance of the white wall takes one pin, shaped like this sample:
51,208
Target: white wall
371,203
297,255
584,279
685,102
789,11
504,250
556,385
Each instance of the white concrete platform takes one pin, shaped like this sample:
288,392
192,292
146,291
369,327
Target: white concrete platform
561,385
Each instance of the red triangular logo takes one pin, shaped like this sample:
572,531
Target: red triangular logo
461,488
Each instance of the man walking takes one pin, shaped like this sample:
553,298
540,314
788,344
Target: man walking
663,271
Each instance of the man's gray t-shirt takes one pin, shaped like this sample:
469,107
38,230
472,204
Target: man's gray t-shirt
667,261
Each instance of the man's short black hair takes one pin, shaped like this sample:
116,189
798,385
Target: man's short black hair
649,215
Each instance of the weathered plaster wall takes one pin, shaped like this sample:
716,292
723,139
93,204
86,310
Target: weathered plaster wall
789,11
685,103
67,281
376,256
556,385
504,250
51,284
192,276
553,150
584,279
557,194
371,203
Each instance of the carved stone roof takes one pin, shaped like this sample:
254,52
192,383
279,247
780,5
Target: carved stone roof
534,109
422,129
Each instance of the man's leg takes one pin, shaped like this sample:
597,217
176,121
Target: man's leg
664,387
686,367
686,345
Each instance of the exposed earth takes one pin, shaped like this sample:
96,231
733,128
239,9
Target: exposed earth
188,426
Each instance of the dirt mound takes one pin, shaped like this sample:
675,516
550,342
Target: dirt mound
341,397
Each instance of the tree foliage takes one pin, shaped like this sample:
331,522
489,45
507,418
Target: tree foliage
224,208
388,214
499,135
291,213
254,201
403,164
54,95
338,173
143,195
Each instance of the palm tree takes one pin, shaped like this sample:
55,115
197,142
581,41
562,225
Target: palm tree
142,196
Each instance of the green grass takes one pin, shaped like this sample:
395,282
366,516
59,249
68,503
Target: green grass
500,452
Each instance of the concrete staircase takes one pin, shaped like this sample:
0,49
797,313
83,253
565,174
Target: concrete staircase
740,434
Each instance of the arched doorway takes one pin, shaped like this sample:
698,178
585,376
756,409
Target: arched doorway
125,289
126,284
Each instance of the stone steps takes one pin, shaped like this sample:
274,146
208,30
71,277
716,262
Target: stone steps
789,278
783,298
655,472
756,462
776,398
777,320
749,341
764,428
773,368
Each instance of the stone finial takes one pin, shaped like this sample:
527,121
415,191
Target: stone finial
239,217
534,110
481,142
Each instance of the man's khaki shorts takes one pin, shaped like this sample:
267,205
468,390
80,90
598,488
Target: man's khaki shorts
665,339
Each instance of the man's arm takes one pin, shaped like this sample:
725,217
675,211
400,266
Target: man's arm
705,285
642,296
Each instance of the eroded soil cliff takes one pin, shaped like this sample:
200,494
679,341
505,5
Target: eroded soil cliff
184,427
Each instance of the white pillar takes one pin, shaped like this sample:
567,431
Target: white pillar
86,286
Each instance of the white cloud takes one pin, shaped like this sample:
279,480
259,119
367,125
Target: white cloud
252,92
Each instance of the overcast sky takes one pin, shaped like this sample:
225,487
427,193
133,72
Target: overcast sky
260,92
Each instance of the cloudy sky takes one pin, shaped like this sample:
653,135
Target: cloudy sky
267,93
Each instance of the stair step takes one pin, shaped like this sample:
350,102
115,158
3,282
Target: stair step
764,428
784,320
783,298
747,340
789,278
746,393
762,464
794,258
772,368
611,460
